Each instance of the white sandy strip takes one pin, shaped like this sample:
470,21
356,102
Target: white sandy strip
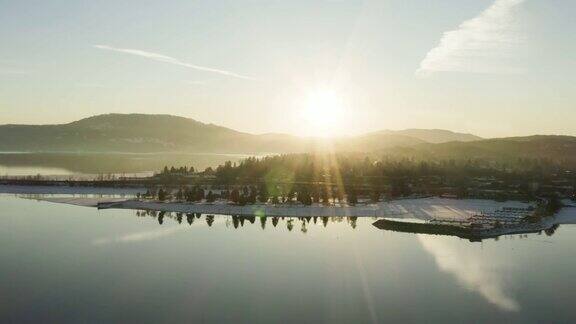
424,208
65,190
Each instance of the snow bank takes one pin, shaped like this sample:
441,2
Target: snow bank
86,202
65,190
424,208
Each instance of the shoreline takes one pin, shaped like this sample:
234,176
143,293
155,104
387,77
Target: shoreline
417,208
69,190
439,216
426,209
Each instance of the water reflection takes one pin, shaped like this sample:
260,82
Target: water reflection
476,271
192,272
237,221
138,236
94,164
233,221
468,233
303,223
487,274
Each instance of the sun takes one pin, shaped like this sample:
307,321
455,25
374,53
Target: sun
323,113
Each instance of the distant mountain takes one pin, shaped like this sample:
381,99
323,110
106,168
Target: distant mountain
115,132
548,147
435,135
166,133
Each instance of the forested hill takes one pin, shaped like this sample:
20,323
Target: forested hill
165,133
560,149
434,135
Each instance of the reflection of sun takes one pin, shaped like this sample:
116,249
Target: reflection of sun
323,113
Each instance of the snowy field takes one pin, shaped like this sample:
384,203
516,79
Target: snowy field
422,208
66,190
80,201
417,208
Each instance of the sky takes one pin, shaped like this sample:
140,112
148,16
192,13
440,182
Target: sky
490,67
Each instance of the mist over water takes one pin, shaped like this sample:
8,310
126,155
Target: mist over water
64,164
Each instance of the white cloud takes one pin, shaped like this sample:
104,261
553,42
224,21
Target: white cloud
487,43
171,60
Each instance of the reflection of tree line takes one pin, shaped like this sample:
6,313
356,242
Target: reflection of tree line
549,232
451,230
238,221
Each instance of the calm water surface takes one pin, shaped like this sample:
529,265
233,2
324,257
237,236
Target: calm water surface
74,264
66,164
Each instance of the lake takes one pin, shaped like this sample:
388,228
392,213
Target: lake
63,263
87,164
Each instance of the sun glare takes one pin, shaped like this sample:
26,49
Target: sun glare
323,113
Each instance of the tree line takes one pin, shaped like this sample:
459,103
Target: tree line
325,178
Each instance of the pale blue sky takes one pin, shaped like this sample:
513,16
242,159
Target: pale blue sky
509,72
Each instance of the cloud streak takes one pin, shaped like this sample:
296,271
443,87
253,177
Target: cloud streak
487,43
10,71
171,60
8,68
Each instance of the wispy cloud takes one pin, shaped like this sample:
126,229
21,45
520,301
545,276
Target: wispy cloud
487,43
8,68
171,60
10,71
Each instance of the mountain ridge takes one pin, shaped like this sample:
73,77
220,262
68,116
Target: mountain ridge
558,148
163,132
435,135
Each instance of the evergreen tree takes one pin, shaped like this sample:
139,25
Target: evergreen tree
251,197
188,194
325,198
198,194
316,196
235,196
263,193
352,197
180,195
375,196
162,194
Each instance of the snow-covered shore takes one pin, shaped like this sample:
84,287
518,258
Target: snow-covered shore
422,208
66,190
